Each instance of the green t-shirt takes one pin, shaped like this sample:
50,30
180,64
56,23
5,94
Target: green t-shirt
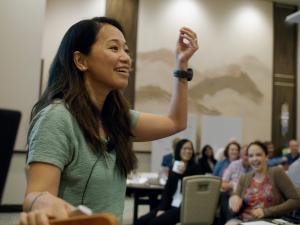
56,138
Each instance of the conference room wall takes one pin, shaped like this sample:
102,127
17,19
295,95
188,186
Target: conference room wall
31,30
21,37
232,70
60,15
155,62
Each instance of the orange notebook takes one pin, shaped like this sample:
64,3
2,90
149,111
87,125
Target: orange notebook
95,219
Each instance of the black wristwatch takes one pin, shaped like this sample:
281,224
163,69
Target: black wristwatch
184,74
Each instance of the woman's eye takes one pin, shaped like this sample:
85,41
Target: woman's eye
114,48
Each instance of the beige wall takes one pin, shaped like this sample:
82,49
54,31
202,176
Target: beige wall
233,68
60,15
31,30
21,36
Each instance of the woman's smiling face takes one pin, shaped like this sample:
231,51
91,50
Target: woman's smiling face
108,63
186,151
257,158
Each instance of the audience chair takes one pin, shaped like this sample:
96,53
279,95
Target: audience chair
200,197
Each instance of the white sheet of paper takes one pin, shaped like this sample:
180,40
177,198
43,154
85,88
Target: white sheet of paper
258,223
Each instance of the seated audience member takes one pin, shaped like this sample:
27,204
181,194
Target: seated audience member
207,161
270,148
272,159
168,159
294,173
230,180
231,153
233,172
265,193
219,153
168,211
293,154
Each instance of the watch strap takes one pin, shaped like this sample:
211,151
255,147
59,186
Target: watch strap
188,74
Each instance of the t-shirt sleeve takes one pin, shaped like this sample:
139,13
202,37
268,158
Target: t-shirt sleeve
50,136
227,173
134,116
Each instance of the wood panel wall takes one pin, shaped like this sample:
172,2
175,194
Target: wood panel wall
126,12
284,76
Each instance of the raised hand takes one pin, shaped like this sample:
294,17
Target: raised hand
186,46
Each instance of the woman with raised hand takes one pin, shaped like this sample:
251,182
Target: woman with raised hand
81,128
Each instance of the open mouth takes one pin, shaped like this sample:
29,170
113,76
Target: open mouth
124,70
255,165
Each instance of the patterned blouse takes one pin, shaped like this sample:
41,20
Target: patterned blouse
257,195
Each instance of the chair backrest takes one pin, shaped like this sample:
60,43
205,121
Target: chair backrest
96,219
9,123
200,195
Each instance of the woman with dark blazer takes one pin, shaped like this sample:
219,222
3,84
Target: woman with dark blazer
168,211
207,161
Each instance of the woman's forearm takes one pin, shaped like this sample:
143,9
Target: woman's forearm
178,107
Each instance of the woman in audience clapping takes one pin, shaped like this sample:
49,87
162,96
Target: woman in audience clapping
267,192
231,153
168,211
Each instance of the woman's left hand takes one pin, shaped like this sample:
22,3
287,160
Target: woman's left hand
258,213
187,45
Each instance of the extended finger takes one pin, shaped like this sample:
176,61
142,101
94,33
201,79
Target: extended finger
32,218
42,219
191,36
188,31
191,41
69,207
23,218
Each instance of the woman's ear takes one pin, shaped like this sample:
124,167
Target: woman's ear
80,61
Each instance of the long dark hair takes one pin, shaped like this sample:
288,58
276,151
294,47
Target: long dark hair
178,148
66,83
259,144
204,156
